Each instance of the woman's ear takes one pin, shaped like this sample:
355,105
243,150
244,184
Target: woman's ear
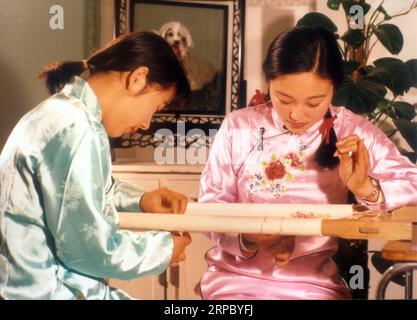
138,80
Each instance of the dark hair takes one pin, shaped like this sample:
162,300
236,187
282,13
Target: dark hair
126,53
308,49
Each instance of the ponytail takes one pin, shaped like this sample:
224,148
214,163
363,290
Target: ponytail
57,74
125,54
324,154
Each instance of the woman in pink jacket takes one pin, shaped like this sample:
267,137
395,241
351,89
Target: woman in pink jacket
296,148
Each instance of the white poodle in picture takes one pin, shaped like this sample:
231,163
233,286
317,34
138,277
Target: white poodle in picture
199,72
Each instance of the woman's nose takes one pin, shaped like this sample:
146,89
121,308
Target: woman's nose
296,114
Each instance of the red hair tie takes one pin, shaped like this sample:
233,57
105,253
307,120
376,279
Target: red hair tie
326,126
258,98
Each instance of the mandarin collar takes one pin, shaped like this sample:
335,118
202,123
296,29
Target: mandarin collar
80,89
273,124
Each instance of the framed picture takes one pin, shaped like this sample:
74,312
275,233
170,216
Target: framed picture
207,37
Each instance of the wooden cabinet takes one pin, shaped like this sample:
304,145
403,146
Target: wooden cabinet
176,283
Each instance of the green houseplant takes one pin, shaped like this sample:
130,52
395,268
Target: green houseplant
373,89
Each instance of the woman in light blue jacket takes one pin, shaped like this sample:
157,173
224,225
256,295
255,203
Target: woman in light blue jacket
59,236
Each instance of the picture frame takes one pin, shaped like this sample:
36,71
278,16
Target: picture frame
216,29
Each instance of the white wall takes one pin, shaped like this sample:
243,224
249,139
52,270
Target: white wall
107,21
265,19
28,43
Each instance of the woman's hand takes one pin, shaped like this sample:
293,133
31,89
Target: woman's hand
278,246
353,169
163,200
180,243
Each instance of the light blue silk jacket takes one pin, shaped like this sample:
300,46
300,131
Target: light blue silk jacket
59,236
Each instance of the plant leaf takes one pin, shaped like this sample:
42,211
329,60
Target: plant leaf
404,110
333,4
354,38
398,110
408,130
392,73
347,4
412,66
349,67
390,36
361,96
315,19
387,107
386,15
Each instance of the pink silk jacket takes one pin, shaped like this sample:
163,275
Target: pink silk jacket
254,159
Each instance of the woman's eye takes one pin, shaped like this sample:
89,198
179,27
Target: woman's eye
284,102
313,105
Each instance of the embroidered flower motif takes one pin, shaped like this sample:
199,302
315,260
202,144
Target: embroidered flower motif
309,215
89,230
273,176
275,170
295,160
72,200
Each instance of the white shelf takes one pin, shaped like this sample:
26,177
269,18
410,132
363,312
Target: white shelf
151,167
